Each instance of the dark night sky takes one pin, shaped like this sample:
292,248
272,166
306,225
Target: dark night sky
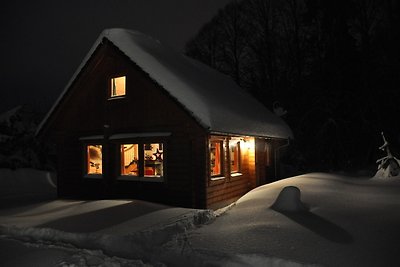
43,42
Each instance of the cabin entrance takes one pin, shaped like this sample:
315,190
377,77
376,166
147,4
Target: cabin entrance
264,162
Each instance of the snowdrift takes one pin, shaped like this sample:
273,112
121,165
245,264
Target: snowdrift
322,220
27,184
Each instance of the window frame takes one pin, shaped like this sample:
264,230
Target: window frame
86,174
237,172
144,160
221,141
110,87
226,168
119,156
141,160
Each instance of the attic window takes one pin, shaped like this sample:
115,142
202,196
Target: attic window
118,86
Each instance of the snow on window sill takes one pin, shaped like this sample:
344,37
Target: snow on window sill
117,97
217,178
236,174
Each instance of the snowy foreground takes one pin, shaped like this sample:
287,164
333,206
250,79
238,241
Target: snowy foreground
340,221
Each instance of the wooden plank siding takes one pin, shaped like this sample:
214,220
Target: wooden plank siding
222,191
85,111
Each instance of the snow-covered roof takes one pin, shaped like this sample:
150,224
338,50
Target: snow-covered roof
212,98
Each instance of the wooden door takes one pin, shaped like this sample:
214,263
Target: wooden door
264,162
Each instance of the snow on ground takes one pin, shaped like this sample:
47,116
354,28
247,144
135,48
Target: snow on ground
350,222
347,222
25,254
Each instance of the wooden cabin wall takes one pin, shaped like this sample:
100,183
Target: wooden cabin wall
221,192
86,109
258,168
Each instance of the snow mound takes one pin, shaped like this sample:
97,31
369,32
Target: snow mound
26,183
289,200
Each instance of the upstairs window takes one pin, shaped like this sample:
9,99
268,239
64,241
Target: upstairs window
118,86
94,160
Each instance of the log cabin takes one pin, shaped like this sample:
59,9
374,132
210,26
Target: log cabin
138,120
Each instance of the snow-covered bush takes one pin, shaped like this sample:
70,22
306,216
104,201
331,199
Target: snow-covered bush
26,184
19,147
389,166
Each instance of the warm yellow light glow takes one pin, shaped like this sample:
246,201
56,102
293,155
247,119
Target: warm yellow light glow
249,144
118,86
129,159
215,157
234,150
94,159
153,160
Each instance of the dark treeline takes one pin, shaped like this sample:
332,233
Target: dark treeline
333,65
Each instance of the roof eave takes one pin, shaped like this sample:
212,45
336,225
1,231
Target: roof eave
266,136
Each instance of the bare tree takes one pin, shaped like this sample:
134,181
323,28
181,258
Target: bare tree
223,42
333,65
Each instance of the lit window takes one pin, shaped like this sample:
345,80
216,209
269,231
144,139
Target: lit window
142,160
94,159
234,148
153,160
130,159
118,86
216,157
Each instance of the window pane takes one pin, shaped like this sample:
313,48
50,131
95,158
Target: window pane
235,156
118,86
129,159
153,160
94,159
215,157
